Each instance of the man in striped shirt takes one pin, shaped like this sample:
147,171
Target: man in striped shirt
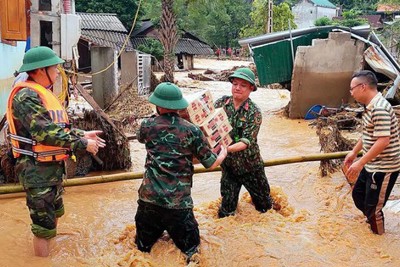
379,166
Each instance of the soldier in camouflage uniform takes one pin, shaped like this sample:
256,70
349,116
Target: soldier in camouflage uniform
30,120
244,164
165,201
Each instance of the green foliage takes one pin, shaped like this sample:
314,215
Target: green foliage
351,18
365,6
153,47
217,22
125,9
281,17
324,21
390,36
259,17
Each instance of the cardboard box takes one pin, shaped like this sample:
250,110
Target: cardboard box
223,127
213,121
226,141
218,137
201,102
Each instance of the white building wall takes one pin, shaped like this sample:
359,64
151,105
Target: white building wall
306,13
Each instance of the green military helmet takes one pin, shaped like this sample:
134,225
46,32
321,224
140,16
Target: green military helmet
245,74
168,95
39,57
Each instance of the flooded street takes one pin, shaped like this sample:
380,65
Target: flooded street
318,224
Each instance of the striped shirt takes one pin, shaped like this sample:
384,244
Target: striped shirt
379,120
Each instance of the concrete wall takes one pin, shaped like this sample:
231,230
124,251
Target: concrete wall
10,61
305,14
128,67
322,73
104,84
52,16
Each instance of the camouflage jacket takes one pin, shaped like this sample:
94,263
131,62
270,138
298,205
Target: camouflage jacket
246,122
171,142
33,121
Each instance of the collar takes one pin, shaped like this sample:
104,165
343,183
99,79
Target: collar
373,101
244,105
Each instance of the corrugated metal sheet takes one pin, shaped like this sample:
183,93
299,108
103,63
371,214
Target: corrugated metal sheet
184,45
274,60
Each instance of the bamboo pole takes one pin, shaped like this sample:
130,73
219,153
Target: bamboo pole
8,189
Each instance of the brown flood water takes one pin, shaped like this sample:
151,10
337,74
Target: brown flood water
317,226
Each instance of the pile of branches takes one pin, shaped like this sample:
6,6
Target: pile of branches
116,154
331,138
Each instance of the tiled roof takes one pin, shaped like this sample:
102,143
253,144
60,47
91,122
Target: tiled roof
104,30
387,8
144,26
323,3
184,45
101,21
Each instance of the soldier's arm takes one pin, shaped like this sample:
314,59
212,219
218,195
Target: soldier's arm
28,109
252,127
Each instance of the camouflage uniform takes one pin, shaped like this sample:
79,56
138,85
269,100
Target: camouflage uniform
243,167
165,201
41,180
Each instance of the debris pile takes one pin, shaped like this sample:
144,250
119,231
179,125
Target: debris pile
116,155
212,75
129,109
339,132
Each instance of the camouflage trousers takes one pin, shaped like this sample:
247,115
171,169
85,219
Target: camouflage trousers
256,184
181,225
45,206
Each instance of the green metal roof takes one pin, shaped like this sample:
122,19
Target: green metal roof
323,3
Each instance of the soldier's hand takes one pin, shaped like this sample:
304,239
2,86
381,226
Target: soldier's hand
223,153
93,135
92,147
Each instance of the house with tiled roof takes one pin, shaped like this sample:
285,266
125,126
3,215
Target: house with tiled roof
306,12
104,40
187,46
103,30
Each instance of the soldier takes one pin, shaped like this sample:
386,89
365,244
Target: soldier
165,201
41,141
244,164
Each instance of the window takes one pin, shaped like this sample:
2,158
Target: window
46,33
45,5
13,20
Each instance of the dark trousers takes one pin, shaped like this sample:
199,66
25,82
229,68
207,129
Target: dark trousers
370,194
256,184
181,225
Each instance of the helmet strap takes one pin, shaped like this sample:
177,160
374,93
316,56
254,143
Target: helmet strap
50,86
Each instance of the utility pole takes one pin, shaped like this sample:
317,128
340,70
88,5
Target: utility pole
269,22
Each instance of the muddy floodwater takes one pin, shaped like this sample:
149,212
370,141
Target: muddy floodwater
318,224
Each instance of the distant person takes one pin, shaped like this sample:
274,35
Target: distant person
379,166
218,52
41,141
165,201
229,51
244,164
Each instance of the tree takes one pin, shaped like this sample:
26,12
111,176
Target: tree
324,21
281,17
153,47
168,37
351,18
125,9
217,22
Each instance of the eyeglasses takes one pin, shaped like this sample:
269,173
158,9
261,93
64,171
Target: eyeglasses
355,86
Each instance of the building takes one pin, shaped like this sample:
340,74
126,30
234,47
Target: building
306,12
26,24
186,48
